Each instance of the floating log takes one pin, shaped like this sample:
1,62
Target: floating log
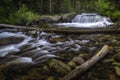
66,30
82,68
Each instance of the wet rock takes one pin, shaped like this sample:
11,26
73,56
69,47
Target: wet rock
117,70
67,17
59,67
107,36
118,50
57,39
116,64
72,64
79,60
118,43
117,57
113,41
26,47
85,49
46,68
10,40
83,55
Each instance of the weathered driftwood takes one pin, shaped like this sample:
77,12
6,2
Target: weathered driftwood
82,68
66,31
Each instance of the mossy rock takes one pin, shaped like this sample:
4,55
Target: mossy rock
118,43
10,40
59,67
72,64
118,50
57,39
79,60
117,57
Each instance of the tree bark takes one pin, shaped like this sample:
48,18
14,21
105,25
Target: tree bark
50,6
82,68
66,31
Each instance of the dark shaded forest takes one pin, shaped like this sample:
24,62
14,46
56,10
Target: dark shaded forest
16,11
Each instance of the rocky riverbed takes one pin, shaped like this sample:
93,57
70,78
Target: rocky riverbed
67,51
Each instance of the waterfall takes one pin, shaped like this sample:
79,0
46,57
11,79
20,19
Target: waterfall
87,18
90,20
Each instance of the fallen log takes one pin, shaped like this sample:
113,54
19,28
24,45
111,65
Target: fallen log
65,30
82,68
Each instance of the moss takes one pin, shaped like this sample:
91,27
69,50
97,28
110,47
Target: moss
59,67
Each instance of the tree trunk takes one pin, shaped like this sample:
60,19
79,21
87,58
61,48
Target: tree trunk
50,6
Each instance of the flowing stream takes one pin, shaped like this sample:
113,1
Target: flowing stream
16,47
87,20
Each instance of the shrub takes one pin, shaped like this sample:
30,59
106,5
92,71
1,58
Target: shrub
22,15
116,16
104,7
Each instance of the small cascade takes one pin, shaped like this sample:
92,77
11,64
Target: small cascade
19,48
89,20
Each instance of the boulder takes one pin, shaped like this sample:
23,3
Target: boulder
45,19
67,17
59,67
72,64
48,19
10,40
79,60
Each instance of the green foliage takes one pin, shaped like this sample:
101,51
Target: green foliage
67,6
116,16
104,7
22,15
12,11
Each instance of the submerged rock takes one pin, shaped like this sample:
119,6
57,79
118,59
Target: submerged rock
59,67
57,39
10,40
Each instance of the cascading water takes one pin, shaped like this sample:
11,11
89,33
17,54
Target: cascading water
89,20
21,49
